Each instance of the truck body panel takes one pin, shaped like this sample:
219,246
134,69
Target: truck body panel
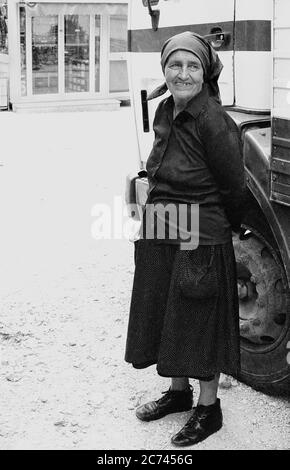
281,60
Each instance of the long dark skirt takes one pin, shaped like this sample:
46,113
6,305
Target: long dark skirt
184,313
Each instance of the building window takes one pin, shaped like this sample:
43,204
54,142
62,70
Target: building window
118,47
118,76
68,49
3,28
97,51
23,65
118,33
45,55
77,53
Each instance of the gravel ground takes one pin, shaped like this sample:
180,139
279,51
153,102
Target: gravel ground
65,301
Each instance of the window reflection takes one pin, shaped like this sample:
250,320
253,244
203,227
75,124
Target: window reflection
118,46
23,52
118,33
3,27
45,54
97,51
77,53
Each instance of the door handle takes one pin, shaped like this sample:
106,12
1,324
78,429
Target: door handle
145,114
218,38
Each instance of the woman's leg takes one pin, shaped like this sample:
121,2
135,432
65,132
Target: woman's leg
179,383
208,391
206,419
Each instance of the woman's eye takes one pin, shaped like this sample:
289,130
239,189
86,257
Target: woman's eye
176,66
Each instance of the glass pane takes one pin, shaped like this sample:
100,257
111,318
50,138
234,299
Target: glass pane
23,51
118,33
118,75
97,53
3,27
44,55
77,53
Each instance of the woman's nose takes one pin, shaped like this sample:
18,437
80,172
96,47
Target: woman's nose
183,73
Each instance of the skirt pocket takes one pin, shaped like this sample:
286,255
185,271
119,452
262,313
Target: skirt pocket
197,273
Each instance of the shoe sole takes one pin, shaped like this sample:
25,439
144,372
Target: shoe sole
205,436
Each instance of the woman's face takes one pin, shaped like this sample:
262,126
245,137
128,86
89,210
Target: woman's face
184,76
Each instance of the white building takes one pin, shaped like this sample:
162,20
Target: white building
67,54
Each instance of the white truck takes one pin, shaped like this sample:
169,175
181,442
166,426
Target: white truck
252,38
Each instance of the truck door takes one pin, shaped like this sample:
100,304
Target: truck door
205,17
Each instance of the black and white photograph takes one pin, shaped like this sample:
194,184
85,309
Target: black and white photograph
145,227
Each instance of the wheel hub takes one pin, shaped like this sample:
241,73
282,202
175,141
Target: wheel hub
262,295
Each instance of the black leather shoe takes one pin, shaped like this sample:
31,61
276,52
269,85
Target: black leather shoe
173,401
206,420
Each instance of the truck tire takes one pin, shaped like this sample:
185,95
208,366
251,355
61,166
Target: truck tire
264,301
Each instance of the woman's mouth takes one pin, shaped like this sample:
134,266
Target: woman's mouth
183,84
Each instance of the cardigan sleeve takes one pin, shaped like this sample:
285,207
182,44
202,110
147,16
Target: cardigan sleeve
224,156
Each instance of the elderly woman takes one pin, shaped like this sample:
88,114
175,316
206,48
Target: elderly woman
184,306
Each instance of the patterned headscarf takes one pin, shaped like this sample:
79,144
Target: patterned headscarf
201,48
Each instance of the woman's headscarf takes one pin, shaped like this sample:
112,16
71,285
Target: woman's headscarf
201,48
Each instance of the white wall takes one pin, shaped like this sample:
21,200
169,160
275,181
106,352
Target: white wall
281,59
254,9
253,68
